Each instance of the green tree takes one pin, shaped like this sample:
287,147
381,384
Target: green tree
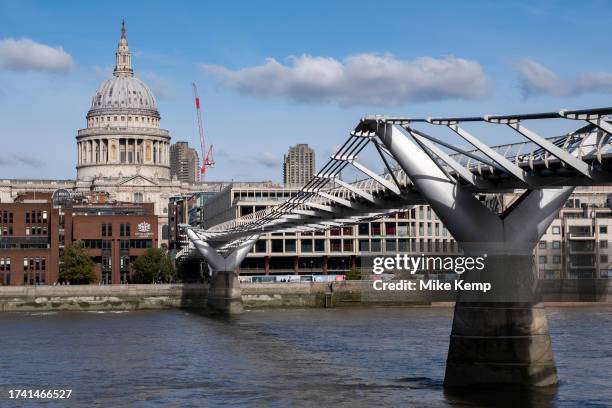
76,266
153,266
353,274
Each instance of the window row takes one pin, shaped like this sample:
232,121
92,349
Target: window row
36,217
34,264
36,231
139,119
544,244
97,243
363,245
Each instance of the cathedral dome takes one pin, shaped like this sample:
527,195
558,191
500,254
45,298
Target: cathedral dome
123,137
124,94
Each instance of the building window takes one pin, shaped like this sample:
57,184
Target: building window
375,228
363,229
390,228
542,259
556,244
542,245
141,243
319,245
290,245
260,246
347,245
375,245
138,197
603,229
124,230
277,245
603,258
364,245
556,259
107,230
603,243
306,245
335,245
556,230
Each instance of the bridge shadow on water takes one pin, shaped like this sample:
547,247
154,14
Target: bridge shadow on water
501,397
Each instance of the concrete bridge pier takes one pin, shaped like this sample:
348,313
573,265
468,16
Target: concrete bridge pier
224,293
500,337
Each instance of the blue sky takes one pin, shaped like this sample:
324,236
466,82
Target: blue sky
273,74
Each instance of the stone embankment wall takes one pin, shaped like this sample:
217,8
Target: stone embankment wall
101,297
259,295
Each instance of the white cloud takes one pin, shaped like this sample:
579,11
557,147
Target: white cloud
363,79
24,54
537,79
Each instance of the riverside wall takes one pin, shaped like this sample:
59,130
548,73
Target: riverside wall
263,295
102,297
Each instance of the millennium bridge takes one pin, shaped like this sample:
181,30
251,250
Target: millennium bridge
500,337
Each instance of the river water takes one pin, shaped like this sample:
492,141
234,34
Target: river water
315,357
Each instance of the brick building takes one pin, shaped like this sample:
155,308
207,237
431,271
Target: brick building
36,227
29,239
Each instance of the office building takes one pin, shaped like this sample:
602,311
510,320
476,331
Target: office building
298,165
184,163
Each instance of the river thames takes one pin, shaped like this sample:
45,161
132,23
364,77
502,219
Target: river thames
315,357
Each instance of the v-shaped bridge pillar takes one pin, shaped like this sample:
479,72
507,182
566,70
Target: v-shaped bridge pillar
499,337
224,294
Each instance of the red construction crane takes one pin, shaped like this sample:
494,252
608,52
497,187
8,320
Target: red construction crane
207,155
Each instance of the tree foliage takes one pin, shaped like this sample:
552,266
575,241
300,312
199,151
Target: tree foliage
153,266
76,266
353,274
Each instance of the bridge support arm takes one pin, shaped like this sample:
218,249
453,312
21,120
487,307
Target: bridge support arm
224,293
500,337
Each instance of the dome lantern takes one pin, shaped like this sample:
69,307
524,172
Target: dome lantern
123,56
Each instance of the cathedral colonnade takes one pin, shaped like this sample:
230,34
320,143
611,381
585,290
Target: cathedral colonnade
123,150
